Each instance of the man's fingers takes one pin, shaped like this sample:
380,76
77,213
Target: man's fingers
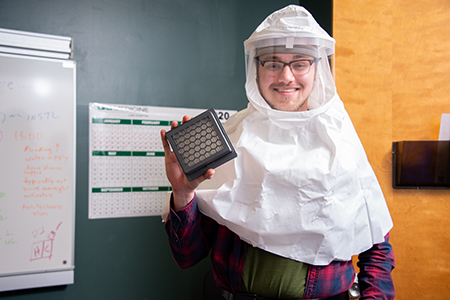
208,175
186,118
165,142
173,124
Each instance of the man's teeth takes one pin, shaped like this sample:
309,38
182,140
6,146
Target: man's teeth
287,90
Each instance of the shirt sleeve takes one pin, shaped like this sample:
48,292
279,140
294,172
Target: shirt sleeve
376,265
190,234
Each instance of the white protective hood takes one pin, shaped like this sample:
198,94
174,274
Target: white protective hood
301,186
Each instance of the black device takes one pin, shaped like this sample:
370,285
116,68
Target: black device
421,165
201,144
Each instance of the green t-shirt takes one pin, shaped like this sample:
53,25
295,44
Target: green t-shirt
270,275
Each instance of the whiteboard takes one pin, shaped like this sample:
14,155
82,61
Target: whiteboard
37,170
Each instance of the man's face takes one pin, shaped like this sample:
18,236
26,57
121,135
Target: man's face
287,91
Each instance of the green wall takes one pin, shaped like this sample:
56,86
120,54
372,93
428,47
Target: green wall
142,52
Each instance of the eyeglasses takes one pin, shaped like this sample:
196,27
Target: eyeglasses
298,67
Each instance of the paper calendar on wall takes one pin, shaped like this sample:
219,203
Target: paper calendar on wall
126,165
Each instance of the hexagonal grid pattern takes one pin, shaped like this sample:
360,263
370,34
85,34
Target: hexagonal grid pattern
200,143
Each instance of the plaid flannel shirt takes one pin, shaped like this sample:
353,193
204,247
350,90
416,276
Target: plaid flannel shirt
192,236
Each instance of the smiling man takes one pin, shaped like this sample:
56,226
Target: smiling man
283,219
285,80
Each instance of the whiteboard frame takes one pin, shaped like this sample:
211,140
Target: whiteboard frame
65,275
28,281
35,44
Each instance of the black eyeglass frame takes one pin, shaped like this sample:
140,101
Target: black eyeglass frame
311,61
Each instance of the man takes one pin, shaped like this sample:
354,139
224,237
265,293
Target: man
285,217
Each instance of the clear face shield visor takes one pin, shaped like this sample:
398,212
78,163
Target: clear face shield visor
313,52
311,46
